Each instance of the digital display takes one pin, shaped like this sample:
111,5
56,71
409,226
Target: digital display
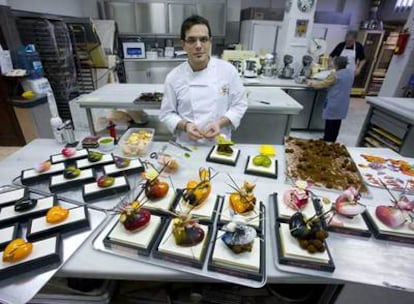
134,51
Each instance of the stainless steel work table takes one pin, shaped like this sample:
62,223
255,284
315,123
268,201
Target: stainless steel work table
360,260
270,109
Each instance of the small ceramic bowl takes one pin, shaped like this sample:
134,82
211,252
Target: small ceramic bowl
106,144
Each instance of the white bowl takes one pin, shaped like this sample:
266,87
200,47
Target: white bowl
107,145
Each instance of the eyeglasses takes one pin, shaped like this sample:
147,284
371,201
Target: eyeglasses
193,40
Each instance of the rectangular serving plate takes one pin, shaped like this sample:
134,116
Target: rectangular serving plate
135,167
46,253
86,176
8,234
263,173
297,262
77,221
257,224
384,235
181,260
58,158
8,215
237,271
92,191
85,163
222,159
10,194
30,176
116,243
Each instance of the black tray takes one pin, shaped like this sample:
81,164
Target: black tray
262,174
96,164
69,159
39,178
383,235
113,244
329,267
67,229
26,215
229,162
4,243
72,183
105,192
11,189
125,171
31,267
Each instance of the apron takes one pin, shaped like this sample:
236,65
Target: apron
207,104
351,55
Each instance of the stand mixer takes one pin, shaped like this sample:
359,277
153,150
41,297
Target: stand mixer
306,69
287,71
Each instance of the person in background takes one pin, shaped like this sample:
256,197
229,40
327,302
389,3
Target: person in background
204,96
351,49
339,84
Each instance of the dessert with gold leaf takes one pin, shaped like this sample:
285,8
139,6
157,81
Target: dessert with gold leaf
197,191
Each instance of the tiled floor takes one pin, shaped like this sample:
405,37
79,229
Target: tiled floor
351,126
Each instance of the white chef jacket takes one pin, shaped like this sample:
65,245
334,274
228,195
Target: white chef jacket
202,97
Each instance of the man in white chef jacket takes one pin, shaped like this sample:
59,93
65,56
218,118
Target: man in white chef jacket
204,96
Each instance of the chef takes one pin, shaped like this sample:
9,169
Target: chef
353,50
204,96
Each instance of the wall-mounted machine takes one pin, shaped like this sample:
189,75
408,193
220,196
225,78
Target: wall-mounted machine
133,50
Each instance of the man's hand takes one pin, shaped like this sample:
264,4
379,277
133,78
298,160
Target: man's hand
212,130
193,132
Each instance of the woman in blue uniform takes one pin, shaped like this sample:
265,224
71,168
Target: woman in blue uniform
339,84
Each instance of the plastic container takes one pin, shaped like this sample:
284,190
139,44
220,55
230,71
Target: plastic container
29,60
136,141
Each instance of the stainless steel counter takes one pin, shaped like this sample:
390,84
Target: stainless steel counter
389,123
273,118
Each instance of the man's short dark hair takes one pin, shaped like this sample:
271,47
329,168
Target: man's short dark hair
340,62
191,21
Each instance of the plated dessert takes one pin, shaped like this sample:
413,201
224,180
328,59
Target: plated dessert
22,257
136,228
394,221
40,172
58,219
69,154
196,198
223,152
261,165
184,241
105,186
326,165
25,209
71,177
94,159
123,165
239,249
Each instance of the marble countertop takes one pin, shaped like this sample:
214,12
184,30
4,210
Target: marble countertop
360,260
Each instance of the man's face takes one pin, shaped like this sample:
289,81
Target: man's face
197,44
349,41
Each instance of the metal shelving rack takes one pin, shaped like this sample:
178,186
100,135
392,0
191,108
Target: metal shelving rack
51,38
